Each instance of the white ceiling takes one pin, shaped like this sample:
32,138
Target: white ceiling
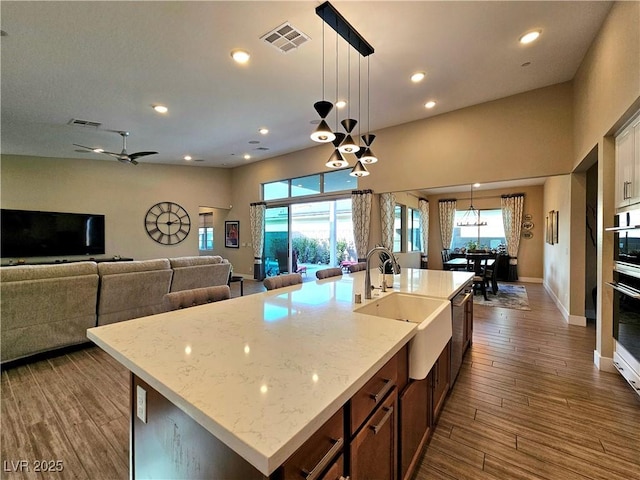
110,61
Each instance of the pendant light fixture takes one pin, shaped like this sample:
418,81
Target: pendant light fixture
359,170
335,20
348,145
323,133
471,217
368,157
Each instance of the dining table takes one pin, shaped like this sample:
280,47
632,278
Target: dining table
462,263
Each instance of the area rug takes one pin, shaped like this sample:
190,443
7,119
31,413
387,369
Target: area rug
508,296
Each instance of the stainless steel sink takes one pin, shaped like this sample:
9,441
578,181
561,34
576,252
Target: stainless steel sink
433,316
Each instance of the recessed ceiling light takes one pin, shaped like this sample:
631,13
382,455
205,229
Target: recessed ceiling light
187,157
430,104
341,103
160,108
240,56
530,36
476,185
418,77
247,156
263,131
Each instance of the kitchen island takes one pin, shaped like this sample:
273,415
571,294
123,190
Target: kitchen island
262,373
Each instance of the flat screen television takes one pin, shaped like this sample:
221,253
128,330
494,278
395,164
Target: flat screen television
26,233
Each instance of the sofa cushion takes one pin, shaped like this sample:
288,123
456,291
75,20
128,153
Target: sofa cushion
132,289
196,260
199,272
45,307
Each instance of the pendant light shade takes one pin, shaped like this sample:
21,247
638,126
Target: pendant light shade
323,108
359,170
323,133
349,124
348,145
338,140
336,160
368,139
368,157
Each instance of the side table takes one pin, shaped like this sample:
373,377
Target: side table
238,278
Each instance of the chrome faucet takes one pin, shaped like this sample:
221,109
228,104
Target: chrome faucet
367,275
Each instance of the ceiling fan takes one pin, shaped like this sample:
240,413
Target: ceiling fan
123,156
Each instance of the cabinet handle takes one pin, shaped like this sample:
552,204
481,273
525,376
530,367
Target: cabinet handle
377,428
388,384
617,365
324,461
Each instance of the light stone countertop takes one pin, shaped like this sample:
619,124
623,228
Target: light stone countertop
263,372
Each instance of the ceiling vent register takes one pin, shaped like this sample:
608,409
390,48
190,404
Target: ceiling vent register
84,123
285,37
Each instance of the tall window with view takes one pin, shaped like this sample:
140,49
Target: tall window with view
489,236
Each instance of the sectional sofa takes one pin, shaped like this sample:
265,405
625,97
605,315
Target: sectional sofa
46,307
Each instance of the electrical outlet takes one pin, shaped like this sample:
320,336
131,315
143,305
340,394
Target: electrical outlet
141,396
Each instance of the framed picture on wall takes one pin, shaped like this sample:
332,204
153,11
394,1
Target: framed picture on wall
232,234
554,230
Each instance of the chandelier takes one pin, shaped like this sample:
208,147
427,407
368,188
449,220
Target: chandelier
471,217
344,143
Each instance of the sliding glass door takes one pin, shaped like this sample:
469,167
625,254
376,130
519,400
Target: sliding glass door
305,237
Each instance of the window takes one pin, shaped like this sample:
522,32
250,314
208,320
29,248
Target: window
329,182
414,234
305,186
205,231
274,190
489,236
339,181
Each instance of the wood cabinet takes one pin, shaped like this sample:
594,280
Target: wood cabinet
440,376
374,448
415,423
628,164
319,453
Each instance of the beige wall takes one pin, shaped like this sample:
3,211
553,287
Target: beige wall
607,83
530,255
557,196
526,135
122,193
606,94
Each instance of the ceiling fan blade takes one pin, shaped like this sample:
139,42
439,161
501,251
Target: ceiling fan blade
133,156
133,162
83,146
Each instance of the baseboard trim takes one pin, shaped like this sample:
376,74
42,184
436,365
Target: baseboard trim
604,364
578,320
557,301
530,280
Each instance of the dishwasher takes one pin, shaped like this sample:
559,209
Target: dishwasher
459,309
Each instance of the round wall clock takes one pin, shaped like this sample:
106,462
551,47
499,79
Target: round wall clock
167,223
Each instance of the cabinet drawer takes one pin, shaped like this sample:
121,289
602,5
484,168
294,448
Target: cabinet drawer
317,453
373,393
374,449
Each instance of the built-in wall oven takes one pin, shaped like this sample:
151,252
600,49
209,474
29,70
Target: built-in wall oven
626,286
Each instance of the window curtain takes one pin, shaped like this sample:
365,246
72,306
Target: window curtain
423,206
512,206
361,216
447,210
256,219
387,218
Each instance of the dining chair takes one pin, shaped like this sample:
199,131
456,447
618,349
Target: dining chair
480,272
491,275
446,256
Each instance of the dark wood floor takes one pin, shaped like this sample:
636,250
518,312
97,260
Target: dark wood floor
528,404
